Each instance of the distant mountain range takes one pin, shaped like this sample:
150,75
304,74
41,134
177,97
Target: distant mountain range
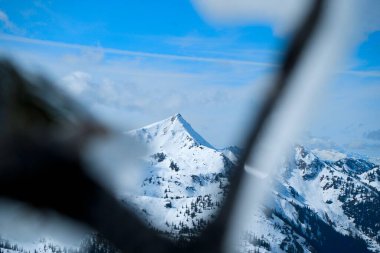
322,200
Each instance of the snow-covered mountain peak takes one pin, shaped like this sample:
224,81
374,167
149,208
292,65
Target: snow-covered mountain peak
185,177
307,162
174,131
179,162
197,138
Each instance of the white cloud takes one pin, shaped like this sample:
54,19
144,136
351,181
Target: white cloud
77,82
313,142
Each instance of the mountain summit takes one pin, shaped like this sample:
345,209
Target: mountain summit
173,130
186,177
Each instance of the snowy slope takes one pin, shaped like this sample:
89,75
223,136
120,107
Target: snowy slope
336,192
323,206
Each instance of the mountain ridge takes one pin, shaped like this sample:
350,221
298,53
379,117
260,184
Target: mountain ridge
315,205
326,192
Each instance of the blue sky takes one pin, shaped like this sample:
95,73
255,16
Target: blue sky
135,62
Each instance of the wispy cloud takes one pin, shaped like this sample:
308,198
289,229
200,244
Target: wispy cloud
7,25
5,20
97,53
136,53
65,23
216,47
363,73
